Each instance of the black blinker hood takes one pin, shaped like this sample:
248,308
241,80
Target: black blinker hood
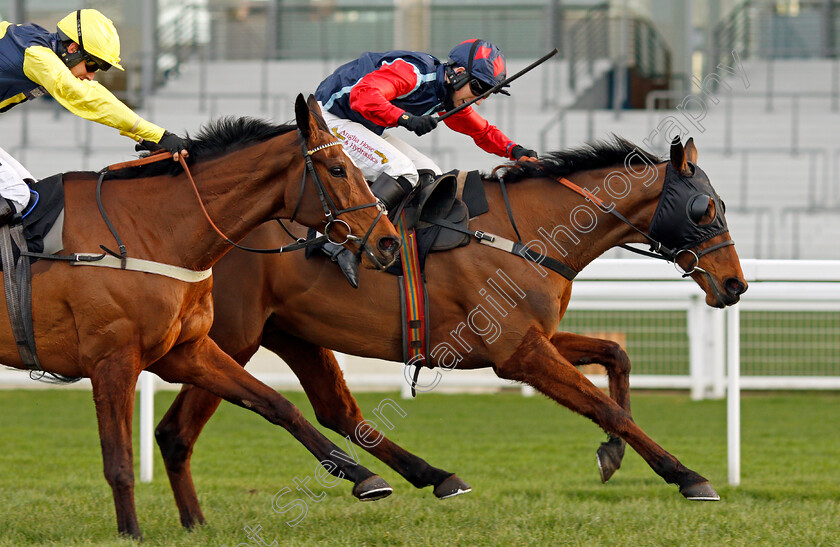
672,224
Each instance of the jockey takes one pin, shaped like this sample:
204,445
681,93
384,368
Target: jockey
377,91
35,62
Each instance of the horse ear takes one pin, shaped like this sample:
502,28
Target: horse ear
317,114
313,104
302,116
678,156
691,151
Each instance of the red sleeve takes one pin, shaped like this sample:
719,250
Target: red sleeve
488,137
372,95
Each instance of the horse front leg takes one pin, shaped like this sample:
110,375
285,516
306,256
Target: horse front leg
203,364
537,362
113,384
335,408
584,350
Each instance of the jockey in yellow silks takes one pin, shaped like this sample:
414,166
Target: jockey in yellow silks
35,62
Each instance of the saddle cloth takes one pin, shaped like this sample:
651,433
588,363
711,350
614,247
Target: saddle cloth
43,219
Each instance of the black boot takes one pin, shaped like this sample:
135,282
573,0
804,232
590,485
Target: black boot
8,212
346,261
392,192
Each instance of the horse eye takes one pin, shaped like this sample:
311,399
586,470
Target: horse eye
697,207
337,171
723,207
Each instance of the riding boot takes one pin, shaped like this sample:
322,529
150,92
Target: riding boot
346,261
394,193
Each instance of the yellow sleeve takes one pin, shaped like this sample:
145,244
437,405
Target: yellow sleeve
87,99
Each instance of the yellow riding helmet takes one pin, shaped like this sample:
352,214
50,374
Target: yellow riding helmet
98,35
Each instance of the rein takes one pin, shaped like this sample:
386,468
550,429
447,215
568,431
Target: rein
331,211
657,249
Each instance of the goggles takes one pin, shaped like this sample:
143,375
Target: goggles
92,64
478,88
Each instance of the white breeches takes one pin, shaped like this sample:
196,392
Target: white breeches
12,185
375,155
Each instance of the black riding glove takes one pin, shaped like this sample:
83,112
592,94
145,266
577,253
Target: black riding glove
520,152
419,124
172,142
169,142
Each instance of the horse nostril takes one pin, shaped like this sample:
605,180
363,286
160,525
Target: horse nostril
735,286
388,244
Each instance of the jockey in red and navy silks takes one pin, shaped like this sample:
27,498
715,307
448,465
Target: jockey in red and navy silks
381,90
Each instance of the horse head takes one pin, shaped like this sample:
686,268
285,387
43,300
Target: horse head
339,184
690,220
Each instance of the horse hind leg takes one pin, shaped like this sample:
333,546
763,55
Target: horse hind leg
113,384
584,350
334,405
537,362
204,365
176,435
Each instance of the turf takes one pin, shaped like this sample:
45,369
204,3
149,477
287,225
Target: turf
530,463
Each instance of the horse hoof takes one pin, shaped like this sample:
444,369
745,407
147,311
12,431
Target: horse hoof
609,457
451,486
372,488
700,492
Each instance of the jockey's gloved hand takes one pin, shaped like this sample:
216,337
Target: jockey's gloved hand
518,152
419,124
173,143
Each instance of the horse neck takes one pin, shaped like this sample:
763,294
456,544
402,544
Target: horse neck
576,230
239,191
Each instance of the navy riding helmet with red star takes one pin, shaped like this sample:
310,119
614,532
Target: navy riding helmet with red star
484,63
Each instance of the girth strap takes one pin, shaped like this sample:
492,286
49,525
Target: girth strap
511,247
19,294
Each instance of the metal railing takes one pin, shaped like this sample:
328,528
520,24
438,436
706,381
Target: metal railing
775,30
182,36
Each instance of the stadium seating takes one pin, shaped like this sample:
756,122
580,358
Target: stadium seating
768,151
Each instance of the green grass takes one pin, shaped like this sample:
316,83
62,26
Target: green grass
530,463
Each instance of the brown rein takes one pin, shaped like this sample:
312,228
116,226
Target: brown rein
659,251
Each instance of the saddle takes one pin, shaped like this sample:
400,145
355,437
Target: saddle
450,200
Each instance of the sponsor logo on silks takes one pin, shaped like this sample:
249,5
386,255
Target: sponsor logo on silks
338,135
381,155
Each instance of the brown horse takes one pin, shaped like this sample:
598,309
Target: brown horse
109,325
297,308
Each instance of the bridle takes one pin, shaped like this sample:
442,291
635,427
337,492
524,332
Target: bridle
331,211
657,249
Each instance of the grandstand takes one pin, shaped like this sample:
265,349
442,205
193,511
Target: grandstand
766,134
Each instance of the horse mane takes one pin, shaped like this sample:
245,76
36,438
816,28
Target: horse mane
214,139
595,155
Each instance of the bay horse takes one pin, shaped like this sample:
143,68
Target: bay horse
297,308
109,325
